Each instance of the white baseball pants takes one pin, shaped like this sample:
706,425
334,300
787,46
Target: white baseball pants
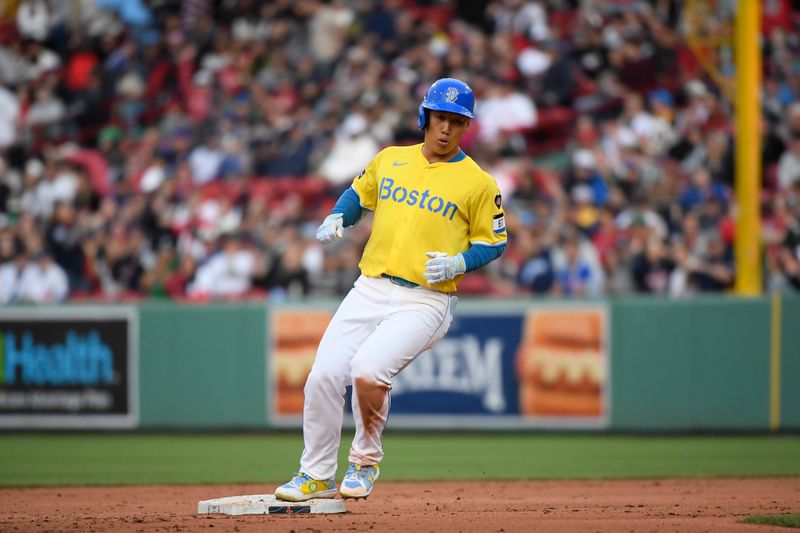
378,330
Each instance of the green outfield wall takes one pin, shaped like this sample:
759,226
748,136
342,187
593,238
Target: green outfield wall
693,364
790,364
700,364
705,364
202,366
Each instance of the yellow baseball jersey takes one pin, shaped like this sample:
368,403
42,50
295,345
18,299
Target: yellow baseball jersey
421,207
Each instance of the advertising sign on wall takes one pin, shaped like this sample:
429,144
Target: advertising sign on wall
542,367
528,367
68,368
561,364
469,372
296,334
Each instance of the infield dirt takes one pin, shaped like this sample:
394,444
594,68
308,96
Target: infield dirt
630,505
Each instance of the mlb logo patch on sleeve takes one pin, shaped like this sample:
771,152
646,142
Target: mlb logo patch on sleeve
499,223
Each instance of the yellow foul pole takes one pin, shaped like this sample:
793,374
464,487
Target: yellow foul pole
748,148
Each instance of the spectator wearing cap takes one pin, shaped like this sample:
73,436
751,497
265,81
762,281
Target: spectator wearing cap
583,213
640,215
713,271
653,133
663,104
701,189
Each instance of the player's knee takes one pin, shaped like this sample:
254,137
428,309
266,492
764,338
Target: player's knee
321,379
365,372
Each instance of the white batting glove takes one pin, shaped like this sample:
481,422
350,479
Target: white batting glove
441,267
330,229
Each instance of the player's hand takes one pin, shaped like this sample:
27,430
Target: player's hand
441,267
330,229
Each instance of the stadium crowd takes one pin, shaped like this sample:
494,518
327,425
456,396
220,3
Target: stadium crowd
189,148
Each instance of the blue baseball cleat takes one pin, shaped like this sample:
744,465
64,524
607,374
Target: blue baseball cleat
302,487
358,481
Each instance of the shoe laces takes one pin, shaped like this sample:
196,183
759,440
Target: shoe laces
357,470
302,477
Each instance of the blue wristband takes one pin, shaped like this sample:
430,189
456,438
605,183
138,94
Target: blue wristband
349,206
479,255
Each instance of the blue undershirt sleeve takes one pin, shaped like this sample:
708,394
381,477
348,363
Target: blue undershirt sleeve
481,254
349,206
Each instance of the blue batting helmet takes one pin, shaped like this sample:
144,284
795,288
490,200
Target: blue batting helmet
447,94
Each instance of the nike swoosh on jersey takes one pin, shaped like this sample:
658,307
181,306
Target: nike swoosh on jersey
396,164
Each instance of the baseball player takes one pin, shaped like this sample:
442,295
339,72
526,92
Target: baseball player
437,215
